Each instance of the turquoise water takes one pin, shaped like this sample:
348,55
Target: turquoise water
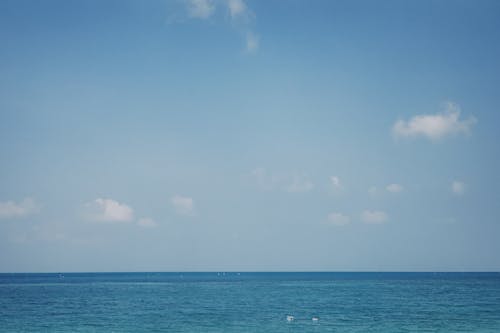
250,302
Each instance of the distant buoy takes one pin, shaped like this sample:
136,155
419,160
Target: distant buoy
290,318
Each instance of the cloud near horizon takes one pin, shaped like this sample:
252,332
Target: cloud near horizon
183,205
288,182
147,222
108,210
11,209
338,219
394,188
435,126
374,217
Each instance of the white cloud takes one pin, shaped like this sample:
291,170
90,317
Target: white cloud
183,205
457,187
109,210
147,222
252,42
300,183
236,7
394,188
335,182
11,209
200,8
240,15
338,219
374,217
435,126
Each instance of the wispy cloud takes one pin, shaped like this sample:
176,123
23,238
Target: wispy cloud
394,188
11,209
373,191
252,42
457,187
338,219
299,183
240,16
201,9
183,205
108,210
289,182
434,126
146,222
335,181
237,8
264,180
374,217
44,232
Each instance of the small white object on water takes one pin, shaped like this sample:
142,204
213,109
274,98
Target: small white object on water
315,319
290,318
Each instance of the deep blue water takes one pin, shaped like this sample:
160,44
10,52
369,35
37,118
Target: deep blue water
250,302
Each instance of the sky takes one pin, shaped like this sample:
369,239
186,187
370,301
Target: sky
249,135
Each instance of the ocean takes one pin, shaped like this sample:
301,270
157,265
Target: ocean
250,302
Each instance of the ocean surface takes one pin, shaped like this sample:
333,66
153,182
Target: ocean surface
250,302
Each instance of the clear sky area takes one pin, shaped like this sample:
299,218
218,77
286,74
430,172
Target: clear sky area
239,135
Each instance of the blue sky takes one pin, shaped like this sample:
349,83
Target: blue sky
249,135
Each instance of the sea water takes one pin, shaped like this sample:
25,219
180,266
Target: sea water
250,302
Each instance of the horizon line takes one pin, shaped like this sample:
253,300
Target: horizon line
244,271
